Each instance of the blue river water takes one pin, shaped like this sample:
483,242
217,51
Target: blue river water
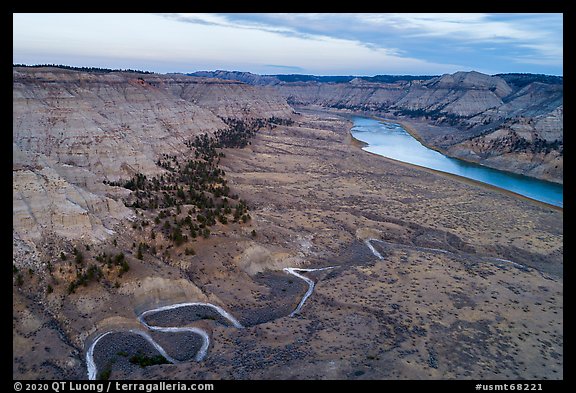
390,140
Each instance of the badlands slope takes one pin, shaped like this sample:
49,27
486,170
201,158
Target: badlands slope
469,284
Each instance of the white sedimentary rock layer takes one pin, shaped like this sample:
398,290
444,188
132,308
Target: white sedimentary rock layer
73,130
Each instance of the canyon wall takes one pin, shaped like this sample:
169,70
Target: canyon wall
512,122
74,130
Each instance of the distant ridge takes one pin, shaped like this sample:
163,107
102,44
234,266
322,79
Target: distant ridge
520,80
273,79
517,80
84,69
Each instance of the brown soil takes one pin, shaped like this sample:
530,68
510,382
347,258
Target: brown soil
314,198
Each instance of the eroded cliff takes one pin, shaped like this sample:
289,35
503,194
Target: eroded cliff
512,122
74,130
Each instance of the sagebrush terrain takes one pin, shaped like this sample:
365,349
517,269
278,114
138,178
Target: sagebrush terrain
120,205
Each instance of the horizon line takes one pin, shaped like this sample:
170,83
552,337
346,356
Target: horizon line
105,69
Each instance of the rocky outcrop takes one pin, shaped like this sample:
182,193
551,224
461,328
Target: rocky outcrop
43,201
356,95
74,130
461,94
244,77
530,146
229,98
50,198
112,125
119,123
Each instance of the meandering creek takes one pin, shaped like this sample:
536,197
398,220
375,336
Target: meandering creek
292,270
192,308
155,319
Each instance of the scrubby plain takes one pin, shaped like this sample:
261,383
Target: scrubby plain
470,284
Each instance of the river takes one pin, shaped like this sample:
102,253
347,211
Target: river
390,140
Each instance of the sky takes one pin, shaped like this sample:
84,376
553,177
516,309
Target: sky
294,43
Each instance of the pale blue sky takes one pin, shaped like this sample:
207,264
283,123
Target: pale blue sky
320,44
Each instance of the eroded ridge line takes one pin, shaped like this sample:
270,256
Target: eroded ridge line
292,270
